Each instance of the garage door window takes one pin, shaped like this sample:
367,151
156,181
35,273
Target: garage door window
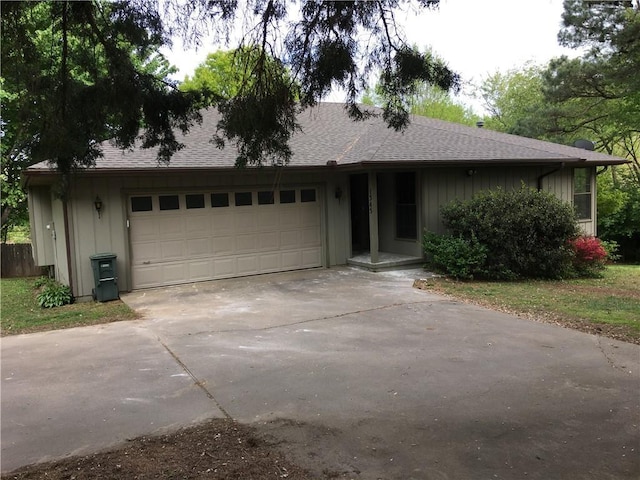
141,204
194,201
169,202
219,200
265,198
243,199
287,196
308,195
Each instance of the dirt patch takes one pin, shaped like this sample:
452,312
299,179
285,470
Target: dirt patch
216,450
617,332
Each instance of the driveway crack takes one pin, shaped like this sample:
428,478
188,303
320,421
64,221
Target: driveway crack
195,379
607,357
311,320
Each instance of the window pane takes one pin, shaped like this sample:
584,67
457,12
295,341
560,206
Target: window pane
582,203
582,192
169,202
406,209
406,187
581,180
308,195
265,198
287,196
195,201
243,198
219,200
141,204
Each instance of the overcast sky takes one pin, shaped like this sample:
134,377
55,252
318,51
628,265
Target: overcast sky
476,38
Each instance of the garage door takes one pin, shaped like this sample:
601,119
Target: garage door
189,237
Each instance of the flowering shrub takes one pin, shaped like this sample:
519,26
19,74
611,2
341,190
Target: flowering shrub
590,255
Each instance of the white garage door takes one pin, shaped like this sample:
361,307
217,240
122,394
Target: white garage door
190,237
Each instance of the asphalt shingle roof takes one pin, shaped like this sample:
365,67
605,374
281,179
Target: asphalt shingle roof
329,135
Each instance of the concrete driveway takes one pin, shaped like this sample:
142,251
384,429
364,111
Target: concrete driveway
351,372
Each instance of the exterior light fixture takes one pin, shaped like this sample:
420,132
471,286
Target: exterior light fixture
98,204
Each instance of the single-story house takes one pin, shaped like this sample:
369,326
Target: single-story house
354,193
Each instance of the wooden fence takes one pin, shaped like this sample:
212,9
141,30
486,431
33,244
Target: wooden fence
17,261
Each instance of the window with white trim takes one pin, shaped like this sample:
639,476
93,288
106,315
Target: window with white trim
582,192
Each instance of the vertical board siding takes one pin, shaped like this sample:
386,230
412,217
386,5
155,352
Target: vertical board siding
59,242
41,216
443,185
109,233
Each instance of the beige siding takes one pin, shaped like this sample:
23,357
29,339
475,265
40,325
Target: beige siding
338,231
99,234
109,232
41,223
59,242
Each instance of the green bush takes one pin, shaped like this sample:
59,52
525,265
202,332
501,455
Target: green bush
52,293
456,256
525,232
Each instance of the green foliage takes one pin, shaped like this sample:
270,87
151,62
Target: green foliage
595,96
456,256
84,72
598,95
619,210
254,112
53,293
524,231
512,100
426,99
611,248
77,73
22,314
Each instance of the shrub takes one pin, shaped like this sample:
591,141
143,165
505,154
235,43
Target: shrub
455,256
612,248
524,231
52,293
590,256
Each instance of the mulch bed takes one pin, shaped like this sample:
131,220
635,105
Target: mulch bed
217,450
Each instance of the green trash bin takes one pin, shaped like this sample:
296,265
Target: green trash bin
105,277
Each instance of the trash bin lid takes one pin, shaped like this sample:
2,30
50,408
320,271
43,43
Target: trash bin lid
103,256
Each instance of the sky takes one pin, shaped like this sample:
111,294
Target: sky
476,38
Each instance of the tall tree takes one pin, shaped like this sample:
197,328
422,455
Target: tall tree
75,74
433,102
513,99
70,65
427,99
600,91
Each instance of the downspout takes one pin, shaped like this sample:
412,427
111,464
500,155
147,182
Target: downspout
558,168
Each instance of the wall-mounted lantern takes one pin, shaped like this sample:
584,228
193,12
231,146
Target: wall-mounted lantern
98,205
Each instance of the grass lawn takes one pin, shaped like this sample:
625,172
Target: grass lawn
20,313
609,305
